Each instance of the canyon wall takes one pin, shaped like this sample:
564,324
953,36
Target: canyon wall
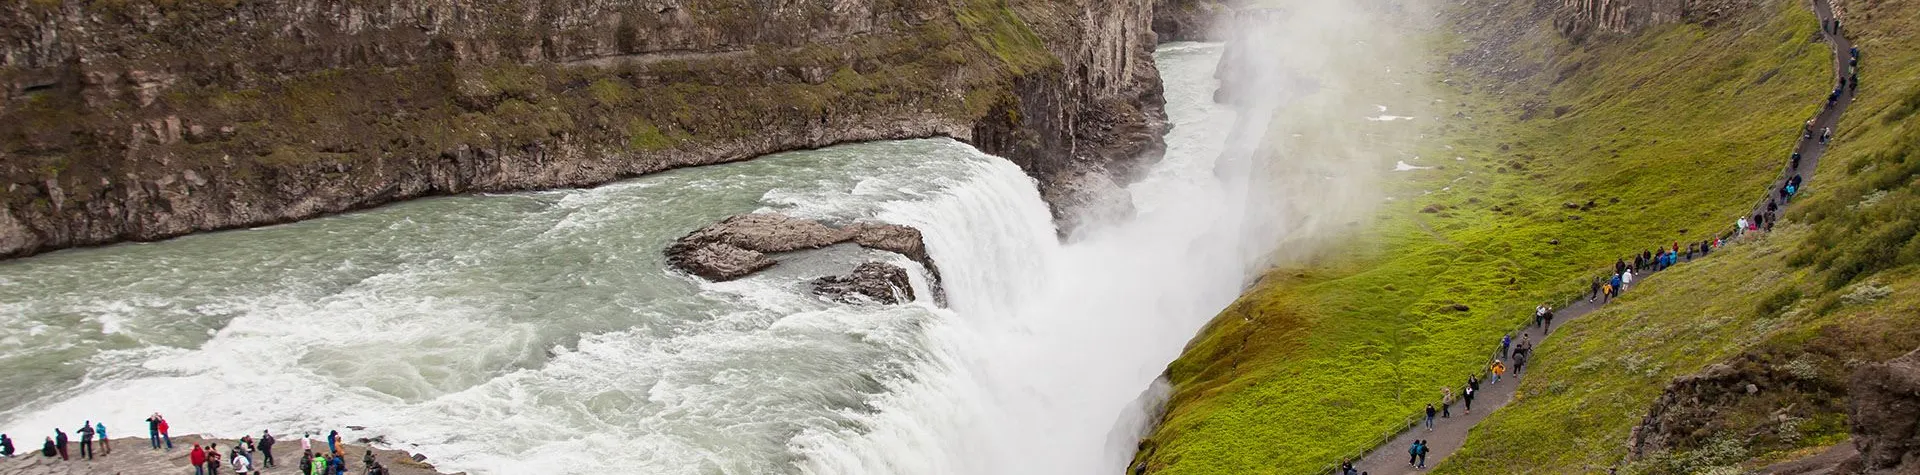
147,119
1582,19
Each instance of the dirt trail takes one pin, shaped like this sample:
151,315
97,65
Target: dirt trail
1449,434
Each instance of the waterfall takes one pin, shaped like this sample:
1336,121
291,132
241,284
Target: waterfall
1048,347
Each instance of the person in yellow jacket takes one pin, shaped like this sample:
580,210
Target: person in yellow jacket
1499,368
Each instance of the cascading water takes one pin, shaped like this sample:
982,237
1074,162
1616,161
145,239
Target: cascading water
1052,344
537,333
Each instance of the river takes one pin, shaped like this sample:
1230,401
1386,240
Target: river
541,333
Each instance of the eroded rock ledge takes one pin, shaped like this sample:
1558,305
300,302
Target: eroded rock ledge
740,246
878,282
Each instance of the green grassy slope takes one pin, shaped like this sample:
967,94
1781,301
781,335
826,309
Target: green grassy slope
1668,134
1838,286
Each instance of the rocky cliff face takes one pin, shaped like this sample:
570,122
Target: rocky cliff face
1581,19
1189,20
146,119
1885,415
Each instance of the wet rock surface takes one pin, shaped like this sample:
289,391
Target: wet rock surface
875,282
740,246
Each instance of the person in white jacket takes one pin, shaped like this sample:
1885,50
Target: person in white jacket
242,464
1626,279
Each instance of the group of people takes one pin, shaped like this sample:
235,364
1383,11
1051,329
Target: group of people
58,443
208,459
1605,288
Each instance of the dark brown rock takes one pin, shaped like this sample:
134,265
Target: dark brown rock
875,282
1885,414
738,245
1188,20
718,261
547,94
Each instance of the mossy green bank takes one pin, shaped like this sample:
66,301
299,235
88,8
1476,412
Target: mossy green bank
1569,157
1792,312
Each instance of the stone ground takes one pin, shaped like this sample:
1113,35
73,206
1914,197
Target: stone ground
131,456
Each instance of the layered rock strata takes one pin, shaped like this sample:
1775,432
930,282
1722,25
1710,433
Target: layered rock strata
146,119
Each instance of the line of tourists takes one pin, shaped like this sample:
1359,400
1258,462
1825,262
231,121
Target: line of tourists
1603,289
207,459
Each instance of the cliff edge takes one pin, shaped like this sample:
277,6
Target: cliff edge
147,119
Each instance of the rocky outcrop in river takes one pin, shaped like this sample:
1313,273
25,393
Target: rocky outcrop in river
877,282
147,119
742,245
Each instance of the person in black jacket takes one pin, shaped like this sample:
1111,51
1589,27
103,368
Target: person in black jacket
60,442
266,447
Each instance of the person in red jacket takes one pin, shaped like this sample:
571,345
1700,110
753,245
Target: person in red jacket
163,433
198,457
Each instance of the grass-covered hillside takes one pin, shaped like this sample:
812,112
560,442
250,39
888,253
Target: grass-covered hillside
1554,159
1792,313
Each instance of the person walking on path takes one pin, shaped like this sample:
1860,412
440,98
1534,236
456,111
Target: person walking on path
1520,359
1506,344
266,447
1430,413
1547,320
100,430
1413,454
1446,402
1626,280
1499,368
1466,398
61,438
1423,455
198,457
86,440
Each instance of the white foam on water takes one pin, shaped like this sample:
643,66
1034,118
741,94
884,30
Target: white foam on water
1040,369
1036,368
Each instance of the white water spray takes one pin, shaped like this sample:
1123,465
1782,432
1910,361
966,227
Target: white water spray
1050,344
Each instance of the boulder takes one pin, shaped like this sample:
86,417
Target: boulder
1885,414
871,282
740,245
717,261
